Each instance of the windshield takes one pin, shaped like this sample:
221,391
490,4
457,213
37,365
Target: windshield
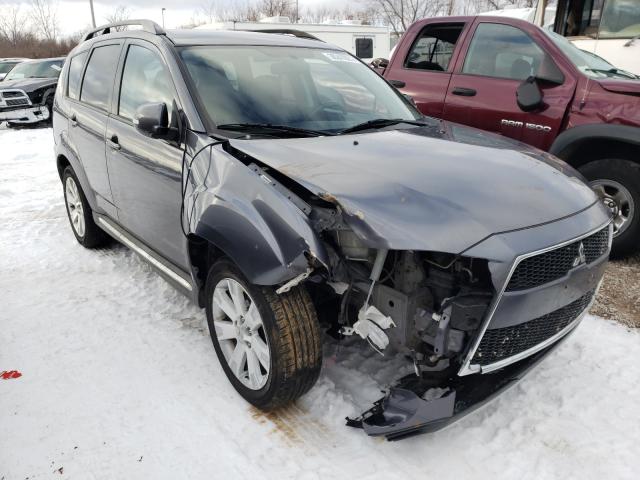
304,88
6,67
45,69
620,19
588,63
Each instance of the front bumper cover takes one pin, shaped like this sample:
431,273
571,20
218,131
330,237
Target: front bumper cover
25,115
403,412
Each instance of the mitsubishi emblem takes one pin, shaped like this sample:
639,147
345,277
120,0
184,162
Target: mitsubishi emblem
580,259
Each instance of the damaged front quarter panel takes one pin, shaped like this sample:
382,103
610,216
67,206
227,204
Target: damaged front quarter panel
251,218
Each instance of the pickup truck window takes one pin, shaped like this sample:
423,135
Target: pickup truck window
433,48
502,51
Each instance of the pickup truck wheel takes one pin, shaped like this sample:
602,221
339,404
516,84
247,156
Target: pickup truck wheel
88,234
268,344
618,182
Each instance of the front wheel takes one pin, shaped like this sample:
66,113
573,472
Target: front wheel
618,183
268,344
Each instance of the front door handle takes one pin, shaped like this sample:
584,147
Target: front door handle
398,83
113,143
73,120
464,92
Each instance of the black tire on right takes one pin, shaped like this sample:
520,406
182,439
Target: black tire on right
293,335
628,174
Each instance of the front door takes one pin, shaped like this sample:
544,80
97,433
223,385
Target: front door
482,91
146,173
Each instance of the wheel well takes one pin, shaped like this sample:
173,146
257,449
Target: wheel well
202,254
62,163
589,149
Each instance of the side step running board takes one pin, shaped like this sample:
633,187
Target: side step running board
147,254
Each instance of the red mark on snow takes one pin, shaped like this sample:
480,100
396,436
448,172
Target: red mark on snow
9,374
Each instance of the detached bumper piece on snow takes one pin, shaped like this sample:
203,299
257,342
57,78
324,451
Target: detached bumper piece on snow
411,409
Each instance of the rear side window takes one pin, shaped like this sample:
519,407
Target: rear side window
98,78
364,47
75,74
144,80
434,47
503,51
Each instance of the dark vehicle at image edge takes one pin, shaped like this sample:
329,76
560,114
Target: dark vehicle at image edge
291,192
27,91
511,77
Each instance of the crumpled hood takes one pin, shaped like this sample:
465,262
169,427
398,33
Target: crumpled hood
28,84
444,187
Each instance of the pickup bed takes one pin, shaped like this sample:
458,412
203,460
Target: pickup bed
513,78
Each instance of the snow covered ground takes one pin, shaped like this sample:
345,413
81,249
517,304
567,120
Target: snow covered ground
120,380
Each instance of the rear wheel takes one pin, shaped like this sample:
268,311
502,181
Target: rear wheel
88,234
268,344
618,183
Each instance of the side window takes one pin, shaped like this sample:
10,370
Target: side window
364,47
434,47
98,78
144,80
75,73
502,51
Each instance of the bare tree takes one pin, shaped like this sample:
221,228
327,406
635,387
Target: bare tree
44,15
119,14
12,24
209,10
399,14
277,8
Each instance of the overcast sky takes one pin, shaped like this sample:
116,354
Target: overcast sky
75,15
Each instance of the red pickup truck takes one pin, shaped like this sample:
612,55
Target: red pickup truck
511,77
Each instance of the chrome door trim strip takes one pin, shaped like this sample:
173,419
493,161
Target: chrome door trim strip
467,368
121,237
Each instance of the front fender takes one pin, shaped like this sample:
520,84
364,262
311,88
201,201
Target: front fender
265,234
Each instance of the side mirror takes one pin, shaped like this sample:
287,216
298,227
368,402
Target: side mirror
152,119
379,63
529,95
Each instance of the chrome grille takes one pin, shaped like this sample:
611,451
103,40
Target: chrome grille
11,94
549,266
17,102
502,343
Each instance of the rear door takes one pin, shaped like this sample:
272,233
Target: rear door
88,114
482,91
146,173
422,68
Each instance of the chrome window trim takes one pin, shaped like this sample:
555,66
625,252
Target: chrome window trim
467,368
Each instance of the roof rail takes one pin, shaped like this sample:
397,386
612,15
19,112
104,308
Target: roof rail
147,25
289,31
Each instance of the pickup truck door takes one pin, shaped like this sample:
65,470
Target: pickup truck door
146,173
422,65
482,93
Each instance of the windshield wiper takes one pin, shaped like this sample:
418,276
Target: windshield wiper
380,123
243,127
613,71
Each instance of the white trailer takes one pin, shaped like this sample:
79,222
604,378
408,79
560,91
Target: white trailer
364,41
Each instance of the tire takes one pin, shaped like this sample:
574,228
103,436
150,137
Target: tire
611,175
90,235
289,329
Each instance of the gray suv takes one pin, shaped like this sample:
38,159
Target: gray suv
294,194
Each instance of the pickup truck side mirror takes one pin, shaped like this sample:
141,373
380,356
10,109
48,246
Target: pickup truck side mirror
152,119
529,95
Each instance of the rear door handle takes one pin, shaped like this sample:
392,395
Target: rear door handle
73,120
397,83
464,92
113,142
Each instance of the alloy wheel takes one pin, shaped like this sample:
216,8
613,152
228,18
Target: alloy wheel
241,333
618,200
74,206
